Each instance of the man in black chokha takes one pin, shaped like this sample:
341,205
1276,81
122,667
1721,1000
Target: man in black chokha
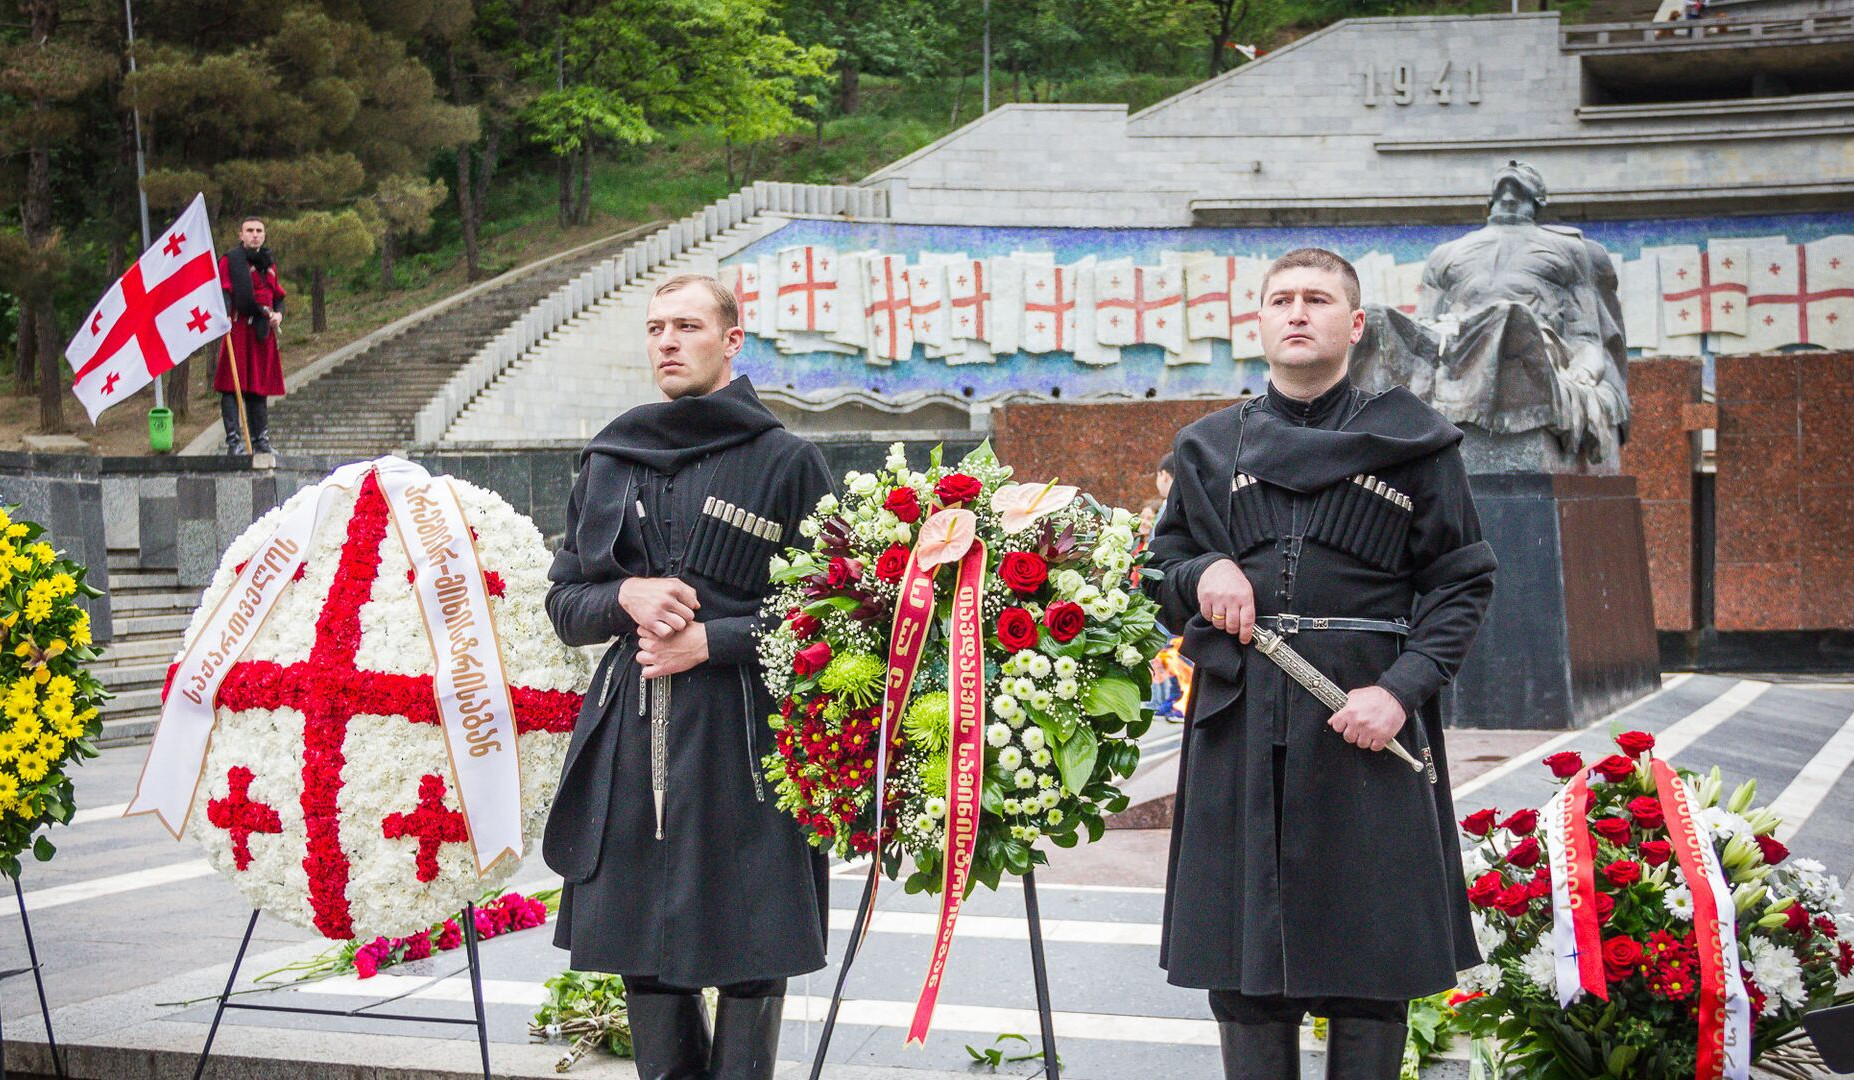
680,871
1311,871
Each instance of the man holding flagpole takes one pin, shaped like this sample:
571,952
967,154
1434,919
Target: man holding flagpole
167,305
250,369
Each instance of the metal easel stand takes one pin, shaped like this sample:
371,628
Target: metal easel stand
32,955
363,1013
1052,1068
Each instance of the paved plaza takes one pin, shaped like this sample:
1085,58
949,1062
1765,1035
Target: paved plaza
134,929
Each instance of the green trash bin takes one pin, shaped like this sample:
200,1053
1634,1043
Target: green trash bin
161,430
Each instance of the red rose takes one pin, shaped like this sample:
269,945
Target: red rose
1564,763
804,627
1635,743
1016,629
1604,904
1065,620
1521,822
1646,810
1615,768
1486,889
1023,571
1623,873
843,572
1613,829
1514,901
1621,956
1479,823
1795,918
1524,854
811,659
1773,849
892,563
904,504
957,488
1656,852
1541,882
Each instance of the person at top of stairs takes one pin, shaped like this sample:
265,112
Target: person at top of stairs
250,364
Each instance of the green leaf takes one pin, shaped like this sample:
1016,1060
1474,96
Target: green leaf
991,796
1075,758
1113,695
42,849
981,457
934,455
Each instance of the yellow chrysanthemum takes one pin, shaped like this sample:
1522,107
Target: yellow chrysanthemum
87,715
38,610
69,728
43,552
28,729
80,630
20,564
10,746
32,768
50,747
17,529
5,519
61,686
63,585
9,788
56,710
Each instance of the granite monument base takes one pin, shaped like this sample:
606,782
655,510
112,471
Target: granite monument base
1570,634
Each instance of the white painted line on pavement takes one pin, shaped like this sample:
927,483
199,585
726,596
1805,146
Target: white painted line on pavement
1559,741
79,891
99,813
1076,931
1689,730
1812,785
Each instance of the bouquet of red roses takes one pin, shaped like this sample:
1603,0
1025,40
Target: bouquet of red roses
1635,926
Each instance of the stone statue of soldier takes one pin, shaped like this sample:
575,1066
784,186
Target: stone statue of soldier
1518,328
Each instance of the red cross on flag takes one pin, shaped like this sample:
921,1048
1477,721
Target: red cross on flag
808,289
1049,309
927,304
166,306
969,284
1704,292
1827,293
1139,305
1207,295
891,326
744,280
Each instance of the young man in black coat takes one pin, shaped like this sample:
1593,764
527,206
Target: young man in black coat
1311,871
680,871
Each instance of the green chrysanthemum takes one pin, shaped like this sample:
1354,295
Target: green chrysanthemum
855,677
933,775
929,721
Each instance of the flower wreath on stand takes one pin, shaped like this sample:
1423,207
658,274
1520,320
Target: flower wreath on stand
994,624
1636,927
50,701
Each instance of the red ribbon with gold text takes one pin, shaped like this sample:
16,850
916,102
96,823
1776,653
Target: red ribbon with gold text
1580,864
907,644
965,678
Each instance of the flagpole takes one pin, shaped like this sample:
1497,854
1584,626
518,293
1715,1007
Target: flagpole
141,166
238,390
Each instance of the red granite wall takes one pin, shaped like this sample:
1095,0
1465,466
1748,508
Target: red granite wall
1664,413
1111,450
1785,495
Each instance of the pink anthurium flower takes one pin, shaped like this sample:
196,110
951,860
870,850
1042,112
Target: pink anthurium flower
945,538
1020,506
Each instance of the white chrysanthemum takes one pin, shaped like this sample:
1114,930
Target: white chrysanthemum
1033,738
1004,705
1486,935
1042,701
1011,807
998,734
936,808
385,757
1066,667
1038,664
1678,900
1474,862
1010,759
1484,978
1540,966
1024,779
1041,758
1067,689
1054,818
1047,781
1807,866
1021,689
1049,799
1779,973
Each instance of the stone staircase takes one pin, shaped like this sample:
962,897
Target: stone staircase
150,610
367,404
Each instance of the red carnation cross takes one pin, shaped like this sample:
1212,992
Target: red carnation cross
240,816
329,691
433,823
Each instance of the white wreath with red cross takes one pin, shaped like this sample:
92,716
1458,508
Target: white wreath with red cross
327,796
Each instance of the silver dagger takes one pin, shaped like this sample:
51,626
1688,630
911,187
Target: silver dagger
656,694
1276,648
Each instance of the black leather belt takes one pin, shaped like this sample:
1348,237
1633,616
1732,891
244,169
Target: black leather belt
1295,624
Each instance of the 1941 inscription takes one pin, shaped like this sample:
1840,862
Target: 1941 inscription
1401,84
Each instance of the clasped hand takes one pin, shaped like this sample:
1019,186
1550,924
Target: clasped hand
669,640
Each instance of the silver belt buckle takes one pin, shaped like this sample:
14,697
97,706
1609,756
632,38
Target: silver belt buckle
1317,624
1289,624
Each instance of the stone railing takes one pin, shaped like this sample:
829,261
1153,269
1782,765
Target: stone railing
639,260
1706,33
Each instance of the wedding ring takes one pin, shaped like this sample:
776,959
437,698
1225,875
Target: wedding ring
1216,618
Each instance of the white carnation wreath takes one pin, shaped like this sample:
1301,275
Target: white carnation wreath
327,796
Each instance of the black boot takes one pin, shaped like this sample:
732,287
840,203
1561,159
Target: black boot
234,444
669,1036
1260,1051
260,442
1364,1049
746,1038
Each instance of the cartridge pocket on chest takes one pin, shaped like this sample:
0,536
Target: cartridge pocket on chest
733,545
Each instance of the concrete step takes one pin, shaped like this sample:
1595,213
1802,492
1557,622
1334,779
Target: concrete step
151,601
136,701
158,647
138,625
136,676
128,729
131,578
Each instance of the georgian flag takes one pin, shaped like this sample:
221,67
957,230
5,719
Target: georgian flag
1139,305
1704,292
969,287
1049,309
166,306
808,289
1827,295
927,304
744,282
888,308
1207,295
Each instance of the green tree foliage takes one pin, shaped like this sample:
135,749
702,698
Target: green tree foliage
317,243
